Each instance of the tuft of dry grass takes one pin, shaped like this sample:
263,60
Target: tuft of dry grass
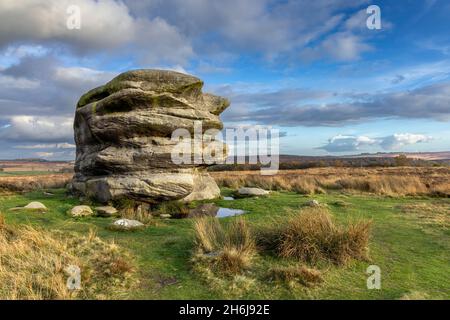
137,215
301,274
33,265
132,210
176,209
312,236
229,249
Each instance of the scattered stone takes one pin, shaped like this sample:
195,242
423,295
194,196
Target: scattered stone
252,192
106,211
127,224
35,206
313,203
32,206
49,194
165,216
123,134
213,254
81,211
228,198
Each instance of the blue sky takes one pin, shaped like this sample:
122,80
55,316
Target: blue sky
310,68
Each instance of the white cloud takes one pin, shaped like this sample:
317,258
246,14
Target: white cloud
399,140
63,145
350,143
71,77
31,128
341,46
176,68
344,46
343,143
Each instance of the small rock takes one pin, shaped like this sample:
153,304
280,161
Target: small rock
49,194
106,211
81,211
313,203
32,206
35,206
213,254
252,192
126,224
165,216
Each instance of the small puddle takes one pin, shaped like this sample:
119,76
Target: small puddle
209,209
228,198
226,212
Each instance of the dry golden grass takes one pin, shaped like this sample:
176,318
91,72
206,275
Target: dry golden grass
138,215
312,236
33,265
229,249
433,214
301,274
382,181
30,183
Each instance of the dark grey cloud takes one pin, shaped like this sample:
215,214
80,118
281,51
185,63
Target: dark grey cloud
107,27
428,102
38,96
38,86
174,32
267,27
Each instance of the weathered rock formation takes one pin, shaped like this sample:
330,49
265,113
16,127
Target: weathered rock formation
123,134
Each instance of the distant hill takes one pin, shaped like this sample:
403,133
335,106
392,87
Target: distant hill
360,160
443,155
429,156
33,165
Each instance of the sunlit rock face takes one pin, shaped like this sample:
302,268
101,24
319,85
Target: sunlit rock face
123,135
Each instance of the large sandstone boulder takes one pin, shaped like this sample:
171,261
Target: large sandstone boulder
123,134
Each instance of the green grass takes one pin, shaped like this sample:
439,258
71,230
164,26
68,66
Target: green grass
413,257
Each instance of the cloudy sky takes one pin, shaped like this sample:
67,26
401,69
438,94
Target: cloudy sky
310,68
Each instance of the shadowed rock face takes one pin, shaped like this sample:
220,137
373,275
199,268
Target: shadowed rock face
123,134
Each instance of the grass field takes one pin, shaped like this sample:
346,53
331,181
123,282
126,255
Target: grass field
410,242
